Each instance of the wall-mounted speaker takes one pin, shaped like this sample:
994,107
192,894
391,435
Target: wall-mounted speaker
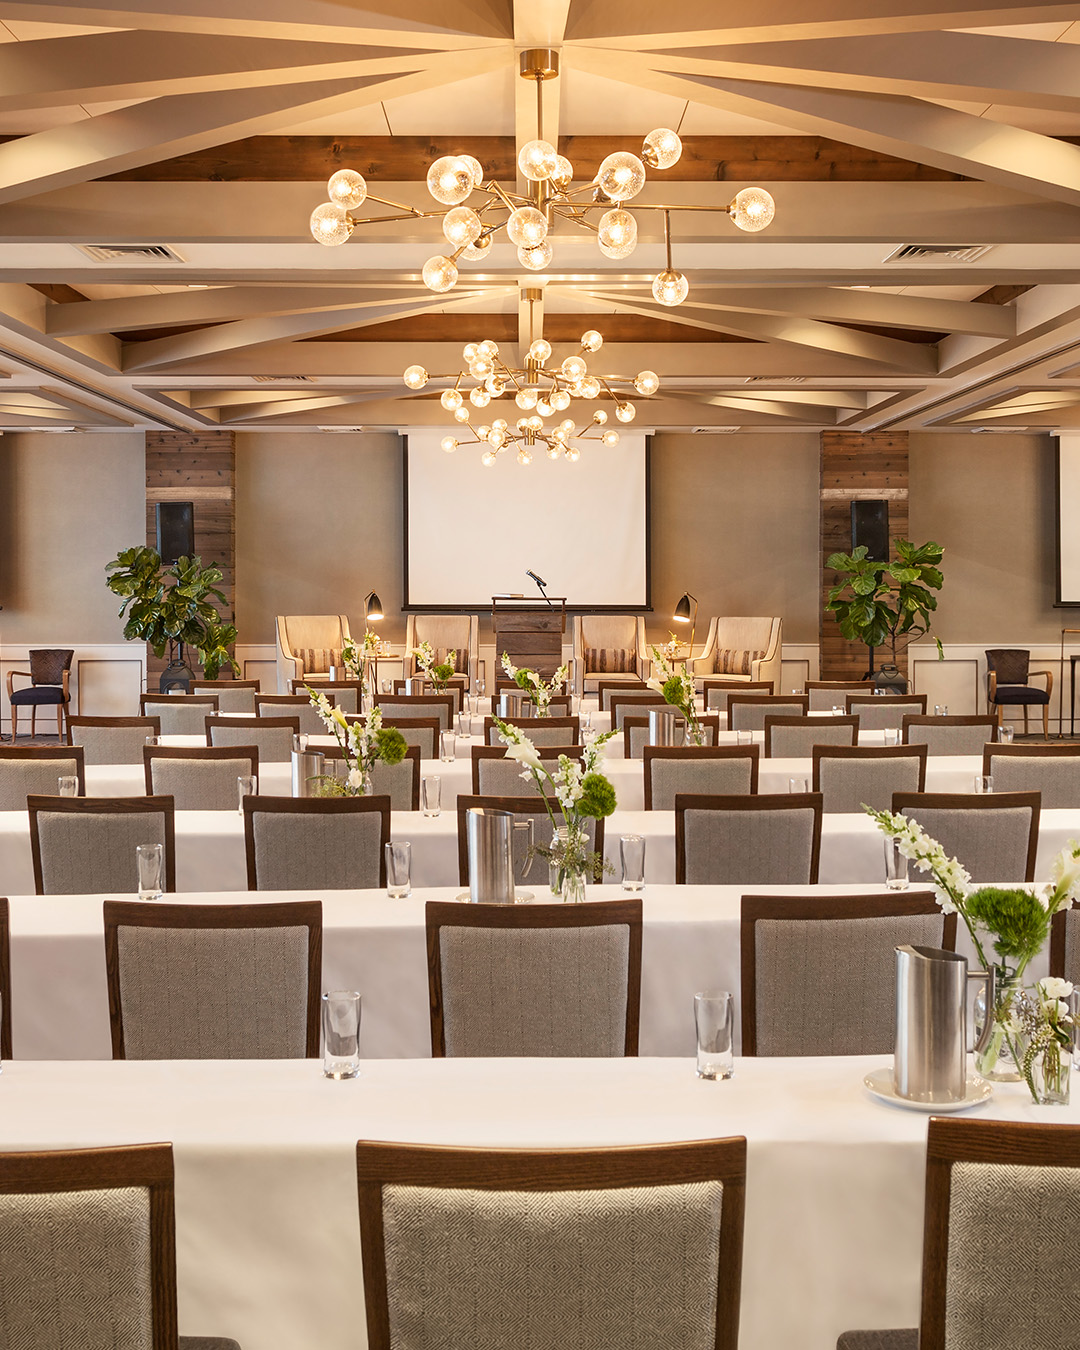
870,526
175,530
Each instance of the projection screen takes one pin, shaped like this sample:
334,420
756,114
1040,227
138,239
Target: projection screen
1068,519
472,532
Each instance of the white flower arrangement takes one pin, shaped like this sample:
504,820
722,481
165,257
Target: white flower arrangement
540,691
677,687
439,673
364,741
359,658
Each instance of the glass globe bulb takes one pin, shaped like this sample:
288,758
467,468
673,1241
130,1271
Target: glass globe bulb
670,288
543,407
563,175
625,412
500,424
573,454
482,367
487,458
536,259
495,386
591,340
330,224
567,426
468,353
752,209
449,444
475,168
479,398
647,382
617,231
496,437
347,188
527,227
526,398
538,160
599,417
610,438
450,180
661,148
479,248
590,387
488,348
534,423
574,368
621,176
451,399
616,252
415,377
523,456
559,435
540,350
523,424
560,400
461,226
553,452
440,274
462,414
483,433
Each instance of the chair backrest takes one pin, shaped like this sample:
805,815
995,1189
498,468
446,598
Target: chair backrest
950,735
179,714
847,776
314,639
419,731
343,694
636,733
316,843
34,770
112,740
271,736
534,980
795,737
1009,664
1065,945
1053,770
608,644
627,685
86,845
761,840
400,782
819,972
233,696
494,775
48,664
633,1238
199,777
453,638
716,692
994,835
634,705
5,980
543,831
881,712
294,705
540,730
89,1240
985,1261
418,705
214,981
747,712
826,694
717,771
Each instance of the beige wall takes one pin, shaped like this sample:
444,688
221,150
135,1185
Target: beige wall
71,502
989,500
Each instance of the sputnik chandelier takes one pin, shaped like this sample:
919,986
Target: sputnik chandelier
540,391
470,230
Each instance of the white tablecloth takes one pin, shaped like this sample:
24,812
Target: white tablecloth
267,1235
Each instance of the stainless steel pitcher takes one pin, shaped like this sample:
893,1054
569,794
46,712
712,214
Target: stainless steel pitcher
930,1063
305,766
515,706
666,727
489,836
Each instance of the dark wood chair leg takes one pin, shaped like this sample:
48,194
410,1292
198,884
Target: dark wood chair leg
1025,719
1046,721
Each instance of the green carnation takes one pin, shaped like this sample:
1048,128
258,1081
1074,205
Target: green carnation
521,679
673,691
597,796
1018,920
390,745
442,673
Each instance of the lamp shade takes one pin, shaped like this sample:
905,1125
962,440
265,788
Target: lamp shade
683,608
374,610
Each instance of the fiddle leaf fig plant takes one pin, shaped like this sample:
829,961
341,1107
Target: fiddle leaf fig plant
887,604
163,605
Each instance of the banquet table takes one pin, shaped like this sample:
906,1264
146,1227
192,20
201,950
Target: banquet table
266,1210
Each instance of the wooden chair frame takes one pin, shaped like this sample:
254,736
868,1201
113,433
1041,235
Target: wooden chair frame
312,806
648,699
180,700
327,687
5,979
605,687
285,701
572,725
853,702
809,722
202,754
918,720
868,752
412,755
710,721
423,701
22,753
521,806
104,806
440,914
724,1160
758,688
999,708
282,914
61,707
738,700
479,752
250,724
998,750
690,753
412,724
151,725
977,801
758,907
211,685
765,801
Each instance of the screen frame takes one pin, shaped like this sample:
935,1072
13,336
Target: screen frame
1059,603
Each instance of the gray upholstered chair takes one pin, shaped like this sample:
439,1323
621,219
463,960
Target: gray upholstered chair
742,648
722,770
179,714
877,712
88,1250
635,705
534,981
756,840
1053,770
112,740
949,735
605,689
199,777
86,845
295,705
522,806
849,776
540,730
997,1194
316,843
717,692
307,646
271,736
233,696
636,733
400,782
496,776
747,712
214,981
419,731
579,1249
49,676
819,972
1008,684
994,835
454,638
343,694
608,647
825,695
27,770
795,737
418,705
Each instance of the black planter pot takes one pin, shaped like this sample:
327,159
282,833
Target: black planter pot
176,675
889,679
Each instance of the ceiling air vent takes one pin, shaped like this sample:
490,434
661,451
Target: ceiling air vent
713,431
775,379
938,252
131,253
353,429
284,379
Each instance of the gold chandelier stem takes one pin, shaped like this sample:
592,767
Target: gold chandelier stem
667,237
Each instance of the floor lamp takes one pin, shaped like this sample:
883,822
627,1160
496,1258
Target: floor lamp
373,612
686,612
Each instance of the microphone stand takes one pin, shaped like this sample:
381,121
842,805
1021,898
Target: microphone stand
544,594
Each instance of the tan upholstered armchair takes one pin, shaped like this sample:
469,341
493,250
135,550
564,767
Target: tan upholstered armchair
741,649
608,647
455,638
307,646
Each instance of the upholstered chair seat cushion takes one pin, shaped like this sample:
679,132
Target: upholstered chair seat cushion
38,694
735,661
1020,693
318,660
458,657
903,1339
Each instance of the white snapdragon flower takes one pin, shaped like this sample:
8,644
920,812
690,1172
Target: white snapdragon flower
525,753
509,667
1054,988
356,778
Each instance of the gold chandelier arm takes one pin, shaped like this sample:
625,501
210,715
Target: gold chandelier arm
401,206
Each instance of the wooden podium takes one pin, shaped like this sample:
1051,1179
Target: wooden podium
530,632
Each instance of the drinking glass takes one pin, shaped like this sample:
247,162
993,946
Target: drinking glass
398,869
837,710
713,1019
431,795
632,856
941,710
151,740
585,719
245,787
447,747
744,738
386,686
896,865
1005,733
299,743
341,1034
149,860
984,782
480,688
68,785
464,724
892,736
798,785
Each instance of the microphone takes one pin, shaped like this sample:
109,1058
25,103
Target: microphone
539,580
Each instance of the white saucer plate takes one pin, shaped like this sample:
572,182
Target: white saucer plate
880,1083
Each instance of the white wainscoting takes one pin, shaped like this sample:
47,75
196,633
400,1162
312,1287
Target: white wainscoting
959,681
106,681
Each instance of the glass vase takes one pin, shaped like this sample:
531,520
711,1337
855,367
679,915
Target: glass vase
1051,1070
566,872
694,734
993,1056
